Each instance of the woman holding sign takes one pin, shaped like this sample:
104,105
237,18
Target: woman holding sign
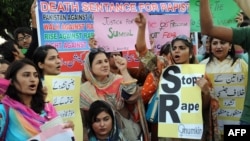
223,56
181,52
23,109
120,91
226,63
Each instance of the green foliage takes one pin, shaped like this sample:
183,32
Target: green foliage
14,13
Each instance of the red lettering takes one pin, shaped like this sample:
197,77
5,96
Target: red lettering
169,35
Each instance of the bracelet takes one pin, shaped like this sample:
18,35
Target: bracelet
129,82
130,89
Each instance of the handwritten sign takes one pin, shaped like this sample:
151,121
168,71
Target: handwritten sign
180,105
230,88
64,93
56,133
117,31
72,61
223,11
163,28
68,24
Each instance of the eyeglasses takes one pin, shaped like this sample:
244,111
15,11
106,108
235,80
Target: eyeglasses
95,50
182,37
26,37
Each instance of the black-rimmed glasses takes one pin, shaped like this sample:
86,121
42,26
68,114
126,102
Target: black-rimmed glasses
26,37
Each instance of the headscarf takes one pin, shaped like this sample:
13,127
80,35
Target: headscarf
115,134
108,90
91,78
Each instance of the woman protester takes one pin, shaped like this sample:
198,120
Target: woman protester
222,56
103,124
181,52
120,91
23,109
238,35
48,60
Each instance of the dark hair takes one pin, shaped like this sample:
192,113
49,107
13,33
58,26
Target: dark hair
245,23
245,17
110,53
93,52
4,61
230,53
7,48
40,54
96,108
187,41
199,38
37,103
165,49
23,31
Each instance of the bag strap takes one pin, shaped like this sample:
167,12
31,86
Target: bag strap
2,138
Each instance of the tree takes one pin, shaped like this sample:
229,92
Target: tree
14,13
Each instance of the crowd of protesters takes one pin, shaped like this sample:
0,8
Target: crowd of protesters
113,97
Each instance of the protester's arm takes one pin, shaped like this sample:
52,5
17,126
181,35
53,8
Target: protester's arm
33,14
121,64
140,20
244,5
34,42
129,84
207,26
92,42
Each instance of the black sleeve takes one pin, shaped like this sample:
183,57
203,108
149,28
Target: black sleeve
33,44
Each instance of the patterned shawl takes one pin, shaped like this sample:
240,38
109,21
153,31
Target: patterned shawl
23,117
110,91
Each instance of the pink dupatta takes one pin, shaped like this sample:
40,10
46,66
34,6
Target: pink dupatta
28,114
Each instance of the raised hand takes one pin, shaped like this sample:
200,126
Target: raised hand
120,62
239,18
140,20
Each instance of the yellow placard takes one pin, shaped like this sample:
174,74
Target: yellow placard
64,93
230,89
180,106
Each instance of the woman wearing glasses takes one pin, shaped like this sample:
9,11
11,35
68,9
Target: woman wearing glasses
120,91
181,52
